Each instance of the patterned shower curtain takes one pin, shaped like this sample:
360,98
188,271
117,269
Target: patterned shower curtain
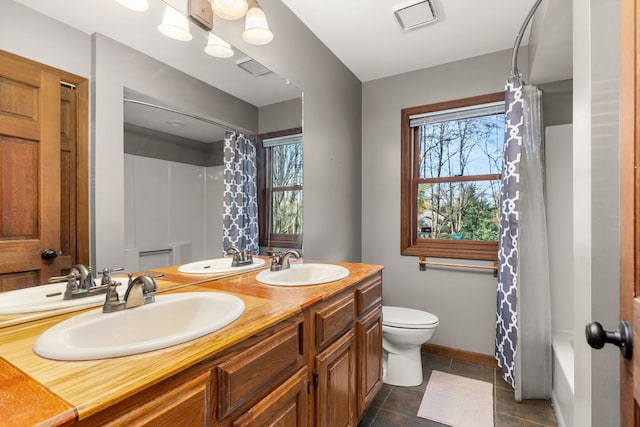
240,215
507,315
523,325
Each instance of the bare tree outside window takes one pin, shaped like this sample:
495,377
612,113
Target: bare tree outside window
286,213
450,153
451,158
280,189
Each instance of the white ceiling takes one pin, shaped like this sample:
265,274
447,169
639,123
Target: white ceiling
363,34
366,37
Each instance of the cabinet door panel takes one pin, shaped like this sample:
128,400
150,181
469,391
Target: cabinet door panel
336,392
286,406
369,336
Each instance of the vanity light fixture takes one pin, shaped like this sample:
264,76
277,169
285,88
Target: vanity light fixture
229,9
137,5
218,47
175,25
256,28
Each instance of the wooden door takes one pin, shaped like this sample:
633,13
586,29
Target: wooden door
43,160
630,207
336,389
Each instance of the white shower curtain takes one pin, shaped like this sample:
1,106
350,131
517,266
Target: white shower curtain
523,332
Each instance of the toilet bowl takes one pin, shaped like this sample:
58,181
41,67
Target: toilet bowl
404,330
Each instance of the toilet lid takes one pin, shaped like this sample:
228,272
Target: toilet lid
402,317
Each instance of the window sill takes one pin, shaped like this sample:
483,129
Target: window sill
472,250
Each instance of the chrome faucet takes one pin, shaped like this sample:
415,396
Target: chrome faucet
140,291
240,257
280,261
80,283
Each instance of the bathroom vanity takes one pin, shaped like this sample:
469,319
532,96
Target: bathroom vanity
298,356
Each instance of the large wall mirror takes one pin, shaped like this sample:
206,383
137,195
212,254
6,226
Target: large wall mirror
159,113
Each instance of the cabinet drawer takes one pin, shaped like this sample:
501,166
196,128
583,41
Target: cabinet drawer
333,319
257,369
285,406
180,400
369,295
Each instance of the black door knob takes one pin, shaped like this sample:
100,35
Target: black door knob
49,254
597,337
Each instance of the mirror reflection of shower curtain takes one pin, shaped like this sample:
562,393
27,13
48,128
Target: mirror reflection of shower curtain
523,327
240,215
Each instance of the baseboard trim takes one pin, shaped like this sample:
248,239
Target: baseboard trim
454,353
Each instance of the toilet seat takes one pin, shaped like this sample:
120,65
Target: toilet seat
407,318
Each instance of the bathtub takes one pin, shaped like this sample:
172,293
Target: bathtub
562,392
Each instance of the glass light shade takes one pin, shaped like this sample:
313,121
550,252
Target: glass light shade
229,9
175,25
218,47
137,5
256,29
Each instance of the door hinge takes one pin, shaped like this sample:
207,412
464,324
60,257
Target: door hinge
315,378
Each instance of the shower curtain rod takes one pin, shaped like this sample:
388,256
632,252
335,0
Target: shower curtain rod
171,110
516,47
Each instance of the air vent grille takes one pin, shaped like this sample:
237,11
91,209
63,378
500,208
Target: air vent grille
415,14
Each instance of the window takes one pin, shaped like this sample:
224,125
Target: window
280,188
450,192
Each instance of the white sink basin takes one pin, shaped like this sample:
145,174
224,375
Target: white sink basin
170,320
218,266
47,297
303,275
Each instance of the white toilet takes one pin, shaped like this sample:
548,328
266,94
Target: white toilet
404,330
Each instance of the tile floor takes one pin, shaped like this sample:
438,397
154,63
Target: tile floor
398,406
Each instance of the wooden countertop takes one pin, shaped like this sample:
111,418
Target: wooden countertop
90,386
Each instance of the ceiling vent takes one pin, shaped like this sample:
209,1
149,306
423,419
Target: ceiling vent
253,67
414,14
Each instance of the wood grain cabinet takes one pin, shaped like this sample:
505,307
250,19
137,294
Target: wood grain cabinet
348,354
335,377
286,406
179,400
322,367
369,341
369,360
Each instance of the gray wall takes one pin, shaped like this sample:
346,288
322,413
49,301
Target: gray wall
595,203
115,68
557,102
558,153
332,117
145,142
43,39
464,300
280,116
332,132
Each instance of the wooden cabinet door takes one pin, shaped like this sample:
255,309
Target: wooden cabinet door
336,379
369,339
286,406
